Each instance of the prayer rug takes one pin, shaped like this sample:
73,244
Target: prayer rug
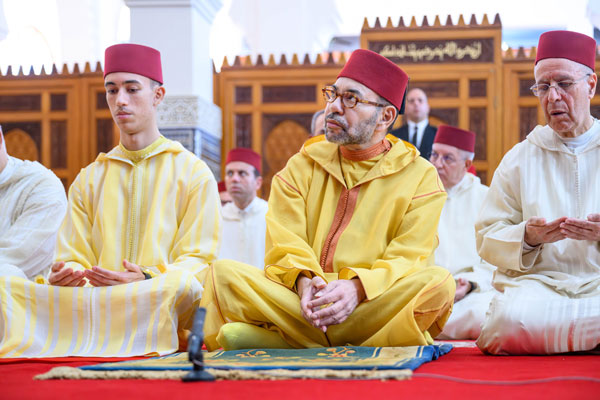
346,362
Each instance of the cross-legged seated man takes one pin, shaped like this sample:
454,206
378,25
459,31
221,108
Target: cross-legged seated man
32,207
540,222
452,154
142,223
351,224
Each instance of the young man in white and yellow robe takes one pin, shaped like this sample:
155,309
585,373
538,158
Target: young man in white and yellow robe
351,224
142,224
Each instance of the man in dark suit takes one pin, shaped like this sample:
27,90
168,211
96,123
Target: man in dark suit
417,130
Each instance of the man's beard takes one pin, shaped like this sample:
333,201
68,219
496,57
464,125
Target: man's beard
359,134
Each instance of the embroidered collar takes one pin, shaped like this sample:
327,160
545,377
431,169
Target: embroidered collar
368,153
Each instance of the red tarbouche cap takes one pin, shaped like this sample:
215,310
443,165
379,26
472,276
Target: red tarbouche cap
566,44
378,74
452,136
244,155
134,58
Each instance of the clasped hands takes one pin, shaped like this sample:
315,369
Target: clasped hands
538,231
97,276
324,304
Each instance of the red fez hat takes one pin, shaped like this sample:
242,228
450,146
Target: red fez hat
570,45
221,186
378,74
134,58
244,155
459,138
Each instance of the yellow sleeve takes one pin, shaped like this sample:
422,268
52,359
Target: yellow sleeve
414,240
196,243
74,240
287,251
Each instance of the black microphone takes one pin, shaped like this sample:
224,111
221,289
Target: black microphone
195,350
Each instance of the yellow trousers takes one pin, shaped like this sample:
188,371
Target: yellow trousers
410,313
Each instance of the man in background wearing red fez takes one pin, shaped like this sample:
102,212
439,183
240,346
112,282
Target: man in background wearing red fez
244,226
540,222
142,223
351,224
452,154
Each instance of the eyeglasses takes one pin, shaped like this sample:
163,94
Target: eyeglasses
445,159
542,89
349,100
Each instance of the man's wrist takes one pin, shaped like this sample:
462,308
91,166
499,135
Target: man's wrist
360,290
529,247
147,275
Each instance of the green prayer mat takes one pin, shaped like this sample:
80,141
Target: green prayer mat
345,362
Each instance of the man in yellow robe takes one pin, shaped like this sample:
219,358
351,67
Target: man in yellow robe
351,224
142,223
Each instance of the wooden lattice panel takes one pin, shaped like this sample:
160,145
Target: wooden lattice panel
57,113
20,145
282,142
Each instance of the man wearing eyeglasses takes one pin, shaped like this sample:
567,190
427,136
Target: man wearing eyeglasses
351,224
452,154
540,223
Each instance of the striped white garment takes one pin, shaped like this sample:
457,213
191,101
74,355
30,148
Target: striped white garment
157,207
140,318
32,207
541,177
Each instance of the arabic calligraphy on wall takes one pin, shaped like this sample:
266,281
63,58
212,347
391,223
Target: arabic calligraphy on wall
436,51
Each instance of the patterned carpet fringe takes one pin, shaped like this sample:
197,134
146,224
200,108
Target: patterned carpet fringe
238,375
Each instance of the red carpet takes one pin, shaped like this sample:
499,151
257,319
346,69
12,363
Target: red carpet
464,363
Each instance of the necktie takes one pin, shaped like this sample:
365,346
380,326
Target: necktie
413,136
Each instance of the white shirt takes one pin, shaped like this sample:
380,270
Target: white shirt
457,251
542,177
244,232
32,207
420,131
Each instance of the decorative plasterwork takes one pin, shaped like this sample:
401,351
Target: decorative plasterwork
190,112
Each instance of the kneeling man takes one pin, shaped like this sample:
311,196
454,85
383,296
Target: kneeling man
351,224
452,154
540,222
142,223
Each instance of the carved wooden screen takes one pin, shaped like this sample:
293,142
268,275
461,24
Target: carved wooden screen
269,106
57,119
459,66
522,110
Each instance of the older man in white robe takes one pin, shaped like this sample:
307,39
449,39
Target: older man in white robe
32,206
452,155
540,223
